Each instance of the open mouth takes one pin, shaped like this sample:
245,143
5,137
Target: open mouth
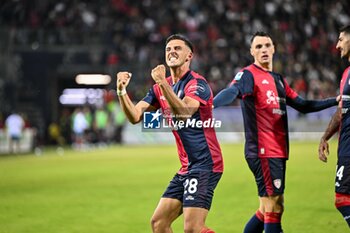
172,58
265,57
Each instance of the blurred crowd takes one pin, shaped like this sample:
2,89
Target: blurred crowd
305,33
88,126
132,36
82,127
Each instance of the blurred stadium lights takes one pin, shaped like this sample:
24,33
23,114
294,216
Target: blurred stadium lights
81,96
93,79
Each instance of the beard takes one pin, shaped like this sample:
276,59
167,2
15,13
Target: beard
346,54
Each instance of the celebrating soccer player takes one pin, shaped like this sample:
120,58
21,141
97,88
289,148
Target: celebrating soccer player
264,95
187,96
341,122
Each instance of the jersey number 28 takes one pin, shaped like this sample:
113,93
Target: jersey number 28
191,185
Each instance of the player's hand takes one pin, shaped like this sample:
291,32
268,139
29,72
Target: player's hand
158,74
323,150
123,79
338,98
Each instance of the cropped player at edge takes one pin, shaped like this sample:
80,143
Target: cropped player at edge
187,95
264,95
341,122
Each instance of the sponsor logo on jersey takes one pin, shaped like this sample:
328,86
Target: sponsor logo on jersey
278,111
271,97
189,197
195,89
277,183
265,81
345,97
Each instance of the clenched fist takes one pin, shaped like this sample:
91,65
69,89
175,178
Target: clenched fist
158,74
123,79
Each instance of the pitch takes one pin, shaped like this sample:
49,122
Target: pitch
117,189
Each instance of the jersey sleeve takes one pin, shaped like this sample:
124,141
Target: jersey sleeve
226,96
290,93
306,106
151,98
199,90
244,82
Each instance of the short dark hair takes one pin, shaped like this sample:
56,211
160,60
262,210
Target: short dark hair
260,33
180,37
345,29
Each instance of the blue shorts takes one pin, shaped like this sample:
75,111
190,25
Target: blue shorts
270,174
342,176
195,189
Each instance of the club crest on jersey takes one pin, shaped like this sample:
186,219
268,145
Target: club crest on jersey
238,76
277,183
271,97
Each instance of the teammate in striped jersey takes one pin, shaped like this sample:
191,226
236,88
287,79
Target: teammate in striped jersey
341,122
264,98
184,95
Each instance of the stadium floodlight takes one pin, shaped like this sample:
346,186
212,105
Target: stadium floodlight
81,96
93,79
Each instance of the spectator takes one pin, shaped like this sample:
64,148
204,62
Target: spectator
2,124
14,125
101,121
80,124
139,26
119,120
65,126
55,136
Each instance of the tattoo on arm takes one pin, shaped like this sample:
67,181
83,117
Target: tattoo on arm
333,125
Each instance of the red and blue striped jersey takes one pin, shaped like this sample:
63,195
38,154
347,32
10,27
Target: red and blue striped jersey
264,97
344,136
198,147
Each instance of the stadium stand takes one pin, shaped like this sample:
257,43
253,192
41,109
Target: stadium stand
44,44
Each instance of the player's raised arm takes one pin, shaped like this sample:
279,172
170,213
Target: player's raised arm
242,85
226,96
182,108
333,126
133,112
307,106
